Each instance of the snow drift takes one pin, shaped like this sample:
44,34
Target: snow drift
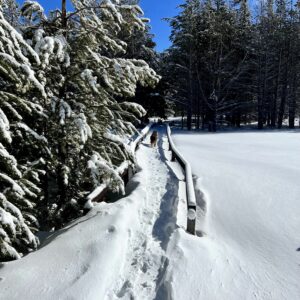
80,261
250,250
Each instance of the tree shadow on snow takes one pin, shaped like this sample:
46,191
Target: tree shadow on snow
145,144
57,233
166,222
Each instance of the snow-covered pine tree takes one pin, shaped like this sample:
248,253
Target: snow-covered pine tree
86,72
99,74
20,144
10,11
48,37
140,45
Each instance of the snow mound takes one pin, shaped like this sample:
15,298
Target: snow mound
250,218
80,261
116,251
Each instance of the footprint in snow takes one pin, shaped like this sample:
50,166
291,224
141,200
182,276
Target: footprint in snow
145,267
127,286
145,285
111,229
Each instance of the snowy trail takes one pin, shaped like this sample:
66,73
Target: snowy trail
146,260
116,251
137,248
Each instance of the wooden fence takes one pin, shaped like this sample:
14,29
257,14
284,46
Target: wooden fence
125,171
190,191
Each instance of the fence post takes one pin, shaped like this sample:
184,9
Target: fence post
191,220
130,172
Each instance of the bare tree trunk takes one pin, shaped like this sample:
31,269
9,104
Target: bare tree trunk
282,105
260,96
274,102
202,102
292,103
284,94
64,15
283,98
190,103
198,111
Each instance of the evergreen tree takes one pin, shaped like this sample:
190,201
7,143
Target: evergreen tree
231,68
20,144
87,126
61,87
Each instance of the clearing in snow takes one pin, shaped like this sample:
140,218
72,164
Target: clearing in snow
249,182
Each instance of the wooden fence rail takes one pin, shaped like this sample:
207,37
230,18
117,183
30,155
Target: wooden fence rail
190,191
125,171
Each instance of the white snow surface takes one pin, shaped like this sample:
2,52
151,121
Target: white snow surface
116,251
137,248
248,205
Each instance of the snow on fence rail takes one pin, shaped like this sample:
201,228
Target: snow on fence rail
124,170
135,144
190,192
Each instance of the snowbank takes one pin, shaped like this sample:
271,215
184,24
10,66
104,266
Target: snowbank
81,261
250,249
247,197
117,251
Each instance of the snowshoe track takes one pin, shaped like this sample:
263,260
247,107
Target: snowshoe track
145,259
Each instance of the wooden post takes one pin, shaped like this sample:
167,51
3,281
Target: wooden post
191,220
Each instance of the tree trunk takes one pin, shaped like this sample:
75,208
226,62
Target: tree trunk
190,103
260,100
292,104
203,100
283,98
284,93
274,102
64,16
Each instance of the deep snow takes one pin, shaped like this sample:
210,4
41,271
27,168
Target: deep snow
137,248
117,251
250,189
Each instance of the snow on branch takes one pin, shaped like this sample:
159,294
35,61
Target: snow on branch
33,10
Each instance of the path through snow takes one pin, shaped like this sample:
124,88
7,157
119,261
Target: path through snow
141,275
116,251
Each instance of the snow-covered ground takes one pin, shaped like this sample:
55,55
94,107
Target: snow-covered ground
250,191
117,251
248,215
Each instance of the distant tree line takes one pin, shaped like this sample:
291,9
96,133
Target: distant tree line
229,66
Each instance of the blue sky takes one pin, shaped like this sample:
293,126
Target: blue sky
154,9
